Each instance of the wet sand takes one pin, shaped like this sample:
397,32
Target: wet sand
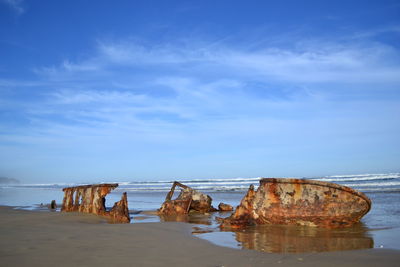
33,238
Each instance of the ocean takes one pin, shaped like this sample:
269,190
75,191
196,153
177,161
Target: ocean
381,226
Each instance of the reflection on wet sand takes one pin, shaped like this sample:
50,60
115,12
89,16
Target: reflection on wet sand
206,223
200,220
187,218
298,239
277,238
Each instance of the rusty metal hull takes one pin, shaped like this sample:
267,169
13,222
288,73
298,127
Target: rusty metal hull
189,200
91,199
300,202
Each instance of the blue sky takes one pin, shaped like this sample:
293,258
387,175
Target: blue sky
138,90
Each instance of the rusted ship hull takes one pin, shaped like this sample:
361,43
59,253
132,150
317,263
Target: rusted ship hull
91,199
299,202
189,200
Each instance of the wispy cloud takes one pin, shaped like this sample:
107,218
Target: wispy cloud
17,5
325,63
372,33
188,81
309,62
185,97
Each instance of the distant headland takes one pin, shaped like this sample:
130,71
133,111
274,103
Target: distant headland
5,180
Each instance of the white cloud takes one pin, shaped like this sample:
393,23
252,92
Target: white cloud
317,64
371,33
69,66
207,86
87,97
310,63
130,98
135,54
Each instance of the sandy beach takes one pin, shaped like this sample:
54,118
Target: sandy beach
33,238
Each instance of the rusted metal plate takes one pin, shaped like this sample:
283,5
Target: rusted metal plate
91,199
188,200
224,207
299,202
174,207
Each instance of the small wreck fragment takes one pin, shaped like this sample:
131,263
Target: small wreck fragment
53,205
299,202
187,201
224,207
91,199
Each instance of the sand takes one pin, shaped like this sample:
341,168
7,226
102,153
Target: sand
33,238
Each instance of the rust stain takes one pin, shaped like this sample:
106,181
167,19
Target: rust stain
91,199
299,202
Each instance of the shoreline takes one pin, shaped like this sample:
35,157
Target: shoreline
65,239
272,238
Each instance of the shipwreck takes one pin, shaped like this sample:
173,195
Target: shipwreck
189,200
299,202
91,199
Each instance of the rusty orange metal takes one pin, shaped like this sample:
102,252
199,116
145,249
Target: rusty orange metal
189,200
91,199
299,202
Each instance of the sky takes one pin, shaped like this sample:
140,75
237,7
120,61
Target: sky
95,91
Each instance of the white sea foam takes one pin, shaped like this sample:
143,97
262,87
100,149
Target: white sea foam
348,179
366,182
364,176
204,187
374,184
201,183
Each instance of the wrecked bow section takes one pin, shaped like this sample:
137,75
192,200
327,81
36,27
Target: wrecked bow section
91,199
189,200
299,202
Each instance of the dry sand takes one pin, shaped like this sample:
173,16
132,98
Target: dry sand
32,238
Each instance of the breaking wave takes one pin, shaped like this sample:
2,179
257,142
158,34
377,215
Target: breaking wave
387,182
